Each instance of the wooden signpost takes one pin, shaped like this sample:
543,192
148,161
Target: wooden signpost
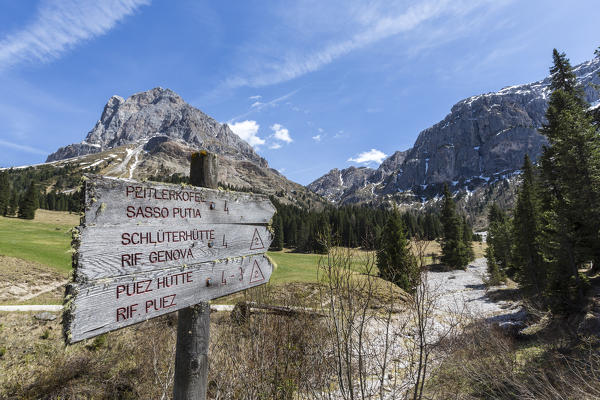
146,249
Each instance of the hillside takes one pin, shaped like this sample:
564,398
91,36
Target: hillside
152,134
481,142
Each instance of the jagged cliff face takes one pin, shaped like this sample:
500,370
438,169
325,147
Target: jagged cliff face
483,139
158,113
335,183
154,134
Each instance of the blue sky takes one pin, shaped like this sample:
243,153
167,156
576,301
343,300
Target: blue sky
311,84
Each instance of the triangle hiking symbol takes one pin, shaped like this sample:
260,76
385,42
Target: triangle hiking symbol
256,275
257,242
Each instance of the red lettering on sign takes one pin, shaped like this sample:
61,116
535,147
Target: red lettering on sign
174,280
124,313
170,255
130,289
130,259
147,212
160,303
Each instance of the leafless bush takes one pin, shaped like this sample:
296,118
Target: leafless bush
486,363
384,340
433,327
269,356
363,325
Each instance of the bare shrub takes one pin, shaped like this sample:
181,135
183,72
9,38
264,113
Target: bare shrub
268,356
486,363
361,325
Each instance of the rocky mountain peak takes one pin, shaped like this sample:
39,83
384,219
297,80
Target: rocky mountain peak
158,113
484,138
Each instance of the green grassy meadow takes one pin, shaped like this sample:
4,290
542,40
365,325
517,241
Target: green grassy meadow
298,267
294,267
44,240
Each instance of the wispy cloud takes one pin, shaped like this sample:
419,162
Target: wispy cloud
60,25
22,147
317,138
370,25
258,106
247,130
371,156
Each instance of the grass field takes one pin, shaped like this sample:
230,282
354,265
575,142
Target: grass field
45,240
298,267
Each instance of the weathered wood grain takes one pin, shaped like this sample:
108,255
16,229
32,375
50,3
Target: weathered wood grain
105,305
111,251
112,201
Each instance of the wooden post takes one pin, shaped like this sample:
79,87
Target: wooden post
193,326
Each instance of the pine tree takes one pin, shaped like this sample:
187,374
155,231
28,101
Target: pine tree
468,239
454,251
495,276
29,203
527,252
13,204
395,261
571,182
277,244
500,238
4,193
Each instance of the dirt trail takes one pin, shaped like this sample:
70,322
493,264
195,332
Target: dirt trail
41,290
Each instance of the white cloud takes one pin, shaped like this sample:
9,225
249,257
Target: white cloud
368,25
275,146
247,130
60,25
256,104
257,97
370,156
281,133
317,138
22,147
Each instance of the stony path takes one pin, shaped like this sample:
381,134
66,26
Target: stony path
465,291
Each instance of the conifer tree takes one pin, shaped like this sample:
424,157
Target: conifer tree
454,251
495,276
13,204
277,244
527,252
500,238
29,203
4,193
395,261
468,239
571,174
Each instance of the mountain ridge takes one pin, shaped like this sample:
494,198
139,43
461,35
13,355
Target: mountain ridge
152,135
158,113
482,139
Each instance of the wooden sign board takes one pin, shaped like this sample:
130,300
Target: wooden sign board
147,249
